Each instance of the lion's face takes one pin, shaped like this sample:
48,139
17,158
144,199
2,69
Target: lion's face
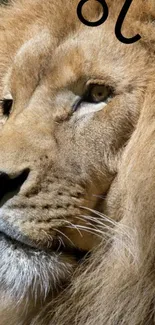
68,113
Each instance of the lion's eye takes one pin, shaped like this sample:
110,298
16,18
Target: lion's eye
95,94
98,93
6,105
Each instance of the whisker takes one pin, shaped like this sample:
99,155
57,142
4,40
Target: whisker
117,227
62,242
59,244
100,225
90,230
106,218
72,224
100,196
101,215
93,219
60,232
88,223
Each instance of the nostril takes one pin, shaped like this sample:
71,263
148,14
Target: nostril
3,177
11,186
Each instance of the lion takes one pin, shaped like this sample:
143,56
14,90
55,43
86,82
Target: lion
76,165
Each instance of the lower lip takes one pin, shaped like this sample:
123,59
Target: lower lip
78,254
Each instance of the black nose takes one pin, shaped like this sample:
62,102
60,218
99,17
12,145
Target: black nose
10,186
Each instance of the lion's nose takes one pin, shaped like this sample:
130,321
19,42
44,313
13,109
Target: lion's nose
10,185
3,177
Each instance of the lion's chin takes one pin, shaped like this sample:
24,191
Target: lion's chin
27,272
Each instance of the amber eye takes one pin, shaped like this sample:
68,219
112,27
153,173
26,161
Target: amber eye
95,94
98,93
6,105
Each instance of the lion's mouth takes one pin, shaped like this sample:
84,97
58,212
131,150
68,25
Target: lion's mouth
20,242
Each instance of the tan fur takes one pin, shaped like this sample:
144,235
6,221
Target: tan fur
47,57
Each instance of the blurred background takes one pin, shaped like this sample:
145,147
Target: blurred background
3,1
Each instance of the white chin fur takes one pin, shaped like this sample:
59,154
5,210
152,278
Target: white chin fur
23,269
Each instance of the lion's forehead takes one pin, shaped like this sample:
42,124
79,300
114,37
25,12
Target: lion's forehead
70,61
